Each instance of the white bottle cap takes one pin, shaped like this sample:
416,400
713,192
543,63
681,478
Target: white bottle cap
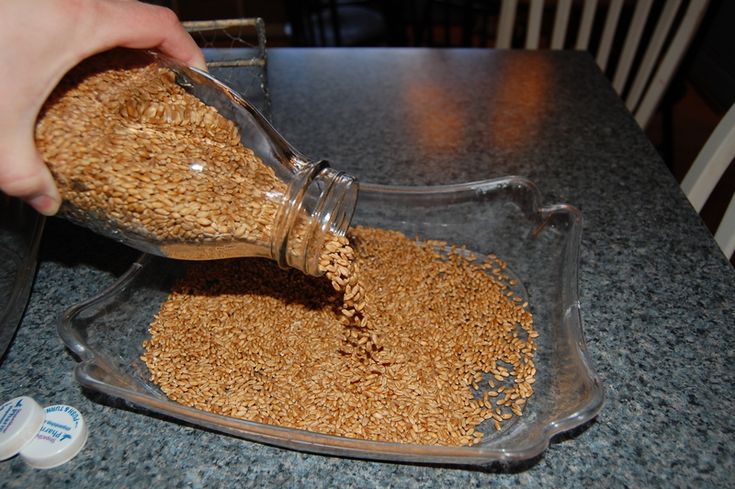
20,420
61,437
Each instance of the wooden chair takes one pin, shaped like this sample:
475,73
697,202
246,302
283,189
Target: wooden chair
706,171
643,83
639,43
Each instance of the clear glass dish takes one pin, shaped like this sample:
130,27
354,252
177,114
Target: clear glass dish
503,216
20,234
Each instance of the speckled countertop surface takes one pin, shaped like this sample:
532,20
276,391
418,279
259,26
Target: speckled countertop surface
658,297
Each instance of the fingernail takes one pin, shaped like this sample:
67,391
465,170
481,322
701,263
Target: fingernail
200,64
45,204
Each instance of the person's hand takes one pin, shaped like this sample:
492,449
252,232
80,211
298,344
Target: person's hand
42,40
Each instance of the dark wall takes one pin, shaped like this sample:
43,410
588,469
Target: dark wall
713,60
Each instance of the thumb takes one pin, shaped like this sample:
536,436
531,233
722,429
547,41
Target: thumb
23,174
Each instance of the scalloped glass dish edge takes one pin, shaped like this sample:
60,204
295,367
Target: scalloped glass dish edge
508,215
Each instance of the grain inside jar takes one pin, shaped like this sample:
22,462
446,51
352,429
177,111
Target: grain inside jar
136,156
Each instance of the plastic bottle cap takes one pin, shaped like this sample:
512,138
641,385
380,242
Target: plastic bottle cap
20,420
61,437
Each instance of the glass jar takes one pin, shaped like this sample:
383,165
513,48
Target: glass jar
167,159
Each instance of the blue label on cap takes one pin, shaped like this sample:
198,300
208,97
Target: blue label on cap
9,413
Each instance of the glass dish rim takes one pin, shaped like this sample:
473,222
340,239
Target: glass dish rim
313,442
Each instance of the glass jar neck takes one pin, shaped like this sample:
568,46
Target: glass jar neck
319,202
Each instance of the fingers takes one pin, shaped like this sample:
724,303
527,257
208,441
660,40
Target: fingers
23,174
144,26
72,31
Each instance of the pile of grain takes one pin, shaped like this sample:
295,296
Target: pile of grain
127,144
245,339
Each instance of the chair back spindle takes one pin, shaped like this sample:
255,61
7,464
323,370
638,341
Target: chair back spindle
641,83
713,160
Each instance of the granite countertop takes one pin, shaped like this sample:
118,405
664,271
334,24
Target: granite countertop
657,295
